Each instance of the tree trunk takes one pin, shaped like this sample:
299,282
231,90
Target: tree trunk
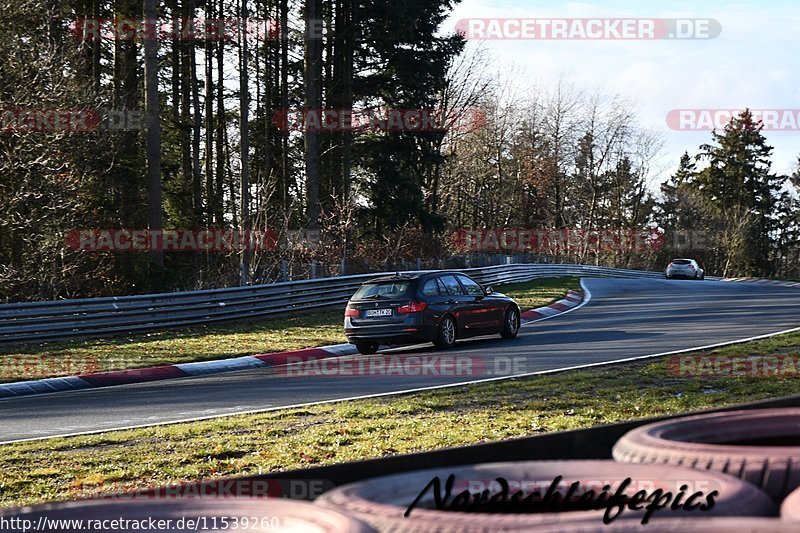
221,125
284,43
209,125
197,182
344,26
153,141
313,103
244,144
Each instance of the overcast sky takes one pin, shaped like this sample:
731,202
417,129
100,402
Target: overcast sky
752,63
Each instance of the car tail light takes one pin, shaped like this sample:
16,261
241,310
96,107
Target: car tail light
351,312
413,307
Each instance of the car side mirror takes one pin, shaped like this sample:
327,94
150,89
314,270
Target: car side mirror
488,290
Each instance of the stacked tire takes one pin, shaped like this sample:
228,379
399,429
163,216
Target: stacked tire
760,446
750,458
384,501
790,508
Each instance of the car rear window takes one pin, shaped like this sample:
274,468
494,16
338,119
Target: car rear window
681,262
385,289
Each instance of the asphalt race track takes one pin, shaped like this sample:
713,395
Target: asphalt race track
624,319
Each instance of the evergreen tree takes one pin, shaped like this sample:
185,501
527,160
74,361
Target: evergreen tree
406,63
680,213
672,207
740,190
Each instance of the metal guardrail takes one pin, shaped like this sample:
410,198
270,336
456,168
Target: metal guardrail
96,317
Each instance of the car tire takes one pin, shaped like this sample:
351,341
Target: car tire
790,507
759,446
367,348
510,323
382,501
446,332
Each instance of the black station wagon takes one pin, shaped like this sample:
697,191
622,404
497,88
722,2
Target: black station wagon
437,307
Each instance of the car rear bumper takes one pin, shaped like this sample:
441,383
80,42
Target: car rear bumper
682,274
390,334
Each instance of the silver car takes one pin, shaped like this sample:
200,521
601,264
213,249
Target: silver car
684,268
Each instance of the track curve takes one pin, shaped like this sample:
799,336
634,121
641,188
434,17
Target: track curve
625,319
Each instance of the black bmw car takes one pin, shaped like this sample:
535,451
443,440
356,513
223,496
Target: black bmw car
437,307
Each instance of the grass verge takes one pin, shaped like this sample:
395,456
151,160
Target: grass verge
214,342
73,467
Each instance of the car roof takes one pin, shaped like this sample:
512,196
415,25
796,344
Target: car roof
409,276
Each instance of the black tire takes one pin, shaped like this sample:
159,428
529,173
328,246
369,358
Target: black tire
510,323
699,522
790,507
711,524
367,348
382,501
760,446
446,332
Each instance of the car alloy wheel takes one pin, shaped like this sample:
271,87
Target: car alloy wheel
446,336
510,324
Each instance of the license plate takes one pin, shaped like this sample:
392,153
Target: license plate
370,313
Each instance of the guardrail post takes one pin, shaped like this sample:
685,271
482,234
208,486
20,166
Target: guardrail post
419,264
